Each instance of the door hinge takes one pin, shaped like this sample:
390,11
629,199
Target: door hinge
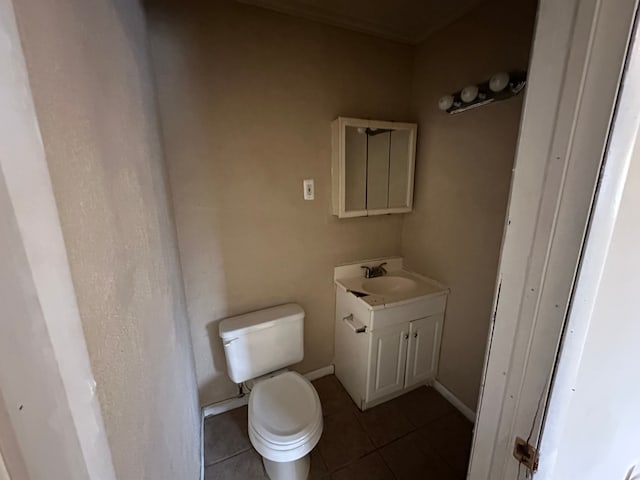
526,454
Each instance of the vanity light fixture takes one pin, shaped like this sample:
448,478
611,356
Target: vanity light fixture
469,93
445,102
501,86
499,82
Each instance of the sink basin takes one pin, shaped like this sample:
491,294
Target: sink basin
388,285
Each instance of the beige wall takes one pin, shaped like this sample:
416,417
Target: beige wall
463,171
50,420
89,75
246,99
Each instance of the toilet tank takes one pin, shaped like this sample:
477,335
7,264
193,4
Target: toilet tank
263,341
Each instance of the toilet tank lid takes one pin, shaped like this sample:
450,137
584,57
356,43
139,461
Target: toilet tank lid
266,318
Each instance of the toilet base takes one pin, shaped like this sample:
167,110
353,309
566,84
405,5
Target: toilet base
295,470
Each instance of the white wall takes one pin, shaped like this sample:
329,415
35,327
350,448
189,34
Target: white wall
88,67
592,428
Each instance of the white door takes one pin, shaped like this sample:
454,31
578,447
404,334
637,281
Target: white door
578,58
593,419
424,348
388,361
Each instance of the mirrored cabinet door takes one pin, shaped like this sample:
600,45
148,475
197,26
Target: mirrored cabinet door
372,167
355,170
400,168
377,169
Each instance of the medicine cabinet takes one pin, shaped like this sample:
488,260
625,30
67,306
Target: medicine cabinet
372,166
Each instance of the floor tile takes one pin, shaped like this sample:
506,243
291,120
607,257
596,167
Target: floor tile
423,405
318,468
385,423
244,466
417,436
409,460
371,467
451,438
343,440
225,435
333,397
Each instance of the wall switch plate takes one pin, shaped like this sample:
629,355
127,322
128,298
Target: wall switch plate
309,190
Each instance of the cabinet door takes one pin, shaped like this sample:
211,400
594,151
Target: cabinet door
424,349
388,359
355,170
378,169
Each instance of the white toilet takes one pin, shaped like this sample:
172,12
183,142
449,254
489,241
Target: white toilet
285,416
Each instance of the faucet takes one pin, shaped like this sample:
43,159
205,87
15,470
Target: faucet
375,271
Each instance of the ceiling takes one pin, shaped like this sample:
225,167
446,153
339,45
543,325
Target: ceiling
405,21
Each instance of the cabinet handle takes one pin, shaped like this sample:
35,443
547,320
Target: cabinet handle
415,335
351,324
406,336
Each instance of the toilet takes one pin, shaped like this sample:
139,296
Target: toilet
285,415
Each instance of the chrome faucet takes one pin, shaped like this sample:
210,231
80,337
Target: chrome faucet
375,271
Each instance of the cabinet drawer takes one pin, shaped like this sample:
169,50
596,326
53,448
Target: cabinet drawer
411,311
348,304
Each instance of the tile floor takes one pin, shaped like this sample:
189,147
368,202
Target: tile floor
416,436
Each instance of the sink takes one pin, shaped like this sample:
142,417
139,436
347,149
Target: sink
396,287
388,285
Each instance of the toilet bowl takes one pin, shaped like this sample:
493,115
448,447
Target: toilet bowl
285,424
285,415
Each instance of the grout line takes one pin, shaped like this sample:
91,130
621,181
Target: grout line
229,457
393,474
319,453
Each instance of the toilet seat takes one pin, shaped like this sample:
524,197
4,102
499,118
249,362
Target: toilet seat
285,417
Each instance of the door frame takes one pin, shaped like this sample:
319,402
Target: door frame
578,57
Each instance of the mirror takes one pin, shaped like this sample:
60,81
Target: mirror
399,156
377,168
373,165
355,169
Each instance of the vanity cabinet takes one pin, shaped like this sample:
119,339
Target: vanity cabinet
403,356
372,166
381,353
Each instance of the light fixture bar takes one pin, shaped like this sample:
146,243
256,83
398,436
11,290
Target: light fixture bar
500,86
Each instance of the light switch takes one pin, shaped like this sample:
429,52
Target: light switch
309,193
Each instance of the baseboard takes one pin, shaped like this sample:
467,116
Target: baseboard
319,373
455,401
224,406
237,402
202,444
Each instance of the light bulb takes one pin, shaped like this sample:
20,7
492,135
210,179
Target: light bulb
445,102
469,93
499,82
